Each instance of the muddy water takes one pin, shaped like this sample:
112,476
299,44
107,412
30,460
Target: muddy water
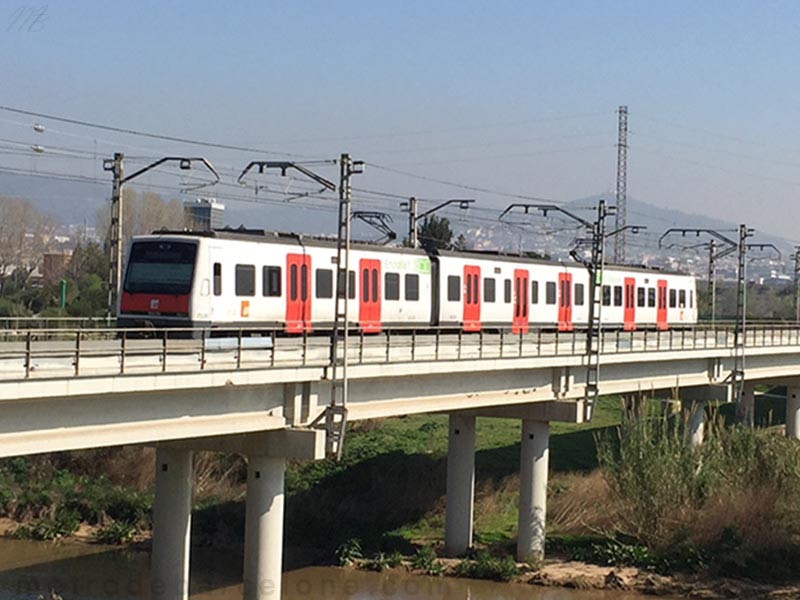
80,571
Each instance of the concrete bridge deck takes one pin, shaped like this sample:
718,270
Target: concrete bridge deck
257,395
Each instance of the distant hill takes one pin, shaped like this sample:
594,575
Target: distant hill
77,202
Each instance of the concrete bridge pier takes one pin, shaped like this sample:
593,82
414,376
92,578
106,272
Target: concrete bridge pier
172,519
793,410
267,452
459,505
746,409
534,459
696,422
263,539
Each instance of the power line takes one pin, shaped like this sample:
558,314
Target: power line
156,136
462,186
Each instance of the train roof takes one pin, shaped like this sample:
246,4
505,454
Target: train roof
275,237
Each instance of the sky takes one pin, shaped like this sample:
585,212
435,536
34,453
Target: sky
511,97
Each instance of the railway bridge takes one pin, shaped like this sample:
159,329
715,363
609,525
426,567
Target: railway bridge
259,395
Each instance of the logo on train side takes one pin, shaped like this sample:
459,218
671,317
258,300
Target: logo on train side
245,310
424,265
154,303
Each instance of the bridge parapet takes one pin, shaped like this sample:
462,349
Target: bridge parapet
35,354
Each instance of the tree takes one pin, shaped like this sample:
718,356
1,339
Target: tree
142,213
435,233
87,281
25,234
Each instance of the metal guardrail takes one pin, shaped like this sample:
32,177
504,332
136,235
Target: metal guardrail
66,353
12,323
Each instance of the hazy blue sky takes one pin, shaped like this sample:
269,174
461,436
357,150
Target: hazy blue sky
514,96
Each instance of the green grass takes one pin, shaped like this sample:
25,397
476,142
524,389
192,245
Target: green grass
387,491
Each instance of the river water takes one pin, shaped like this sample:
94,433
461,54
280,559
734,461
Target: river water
86,572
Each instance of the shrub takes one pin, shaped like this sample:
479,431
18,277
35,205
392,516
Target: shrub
349,552
62,525
116,532
425,560
485,566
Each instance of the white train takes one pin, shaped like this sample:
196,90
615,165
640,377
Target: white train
282,281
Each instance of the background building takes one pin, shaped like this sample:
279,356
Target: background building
203,214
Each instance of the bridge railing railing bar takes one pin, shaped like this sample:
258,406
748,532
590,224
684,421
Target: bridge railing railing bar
34,353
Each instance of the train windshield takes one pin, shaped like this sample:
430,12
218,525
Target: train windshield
160,268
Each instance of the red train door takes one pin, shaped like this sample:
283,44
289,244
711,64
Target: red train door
298,293
629,312
472,298
661,304
369,308
565,302
520,322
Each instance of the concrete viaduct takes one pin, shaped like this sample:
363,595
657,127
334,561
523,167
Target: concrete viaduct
257,396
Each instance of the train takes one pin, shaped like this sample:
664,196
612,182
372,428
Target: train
229,279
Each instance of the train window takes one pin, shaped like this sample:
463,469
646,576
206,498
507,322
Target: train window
640,297
488,289
606,295
468,285
651,297
412,286
507,291
617,295
293,282
351,292
534,292
391,286
550,292
578,294
374,285
365,286
681,298
453,288
271,281
673,298
217,279
304,283
245,280
691,299
324,283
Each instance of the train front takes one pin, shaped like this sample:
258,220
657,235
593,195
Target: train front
157,288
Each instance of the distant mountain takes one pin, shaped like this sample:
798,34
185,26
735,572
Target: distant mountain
78,202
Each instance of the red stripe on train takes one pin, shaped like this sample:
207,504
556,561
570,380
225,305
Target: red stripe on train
154,303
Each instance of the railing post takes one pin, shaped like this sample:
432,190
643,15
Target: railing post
556,350
77,353
480,343
413,345
683,339
164,351
274,339
203,350
389,344
539,341
645,339
28,354
361,347
502,340
519,349
305,346
436,348
122,350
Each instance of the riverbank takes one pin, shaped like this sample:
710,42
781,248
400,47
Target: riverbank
584,576
647,516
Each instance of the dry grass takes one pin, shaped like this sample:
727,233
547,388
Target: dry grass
581,503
